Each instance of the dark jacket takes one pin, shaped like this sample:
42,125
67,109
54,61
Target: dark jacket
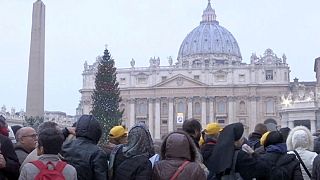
83,153
131,161
316,168
254,140
11,171
206,150
177,148
288,161
136,167
317,145
250,167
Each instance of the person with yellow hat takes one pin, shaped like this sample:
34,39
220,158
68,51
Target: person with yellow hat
211,133
117,135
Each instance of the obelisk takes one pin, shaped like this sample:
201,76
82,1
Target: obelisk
35,89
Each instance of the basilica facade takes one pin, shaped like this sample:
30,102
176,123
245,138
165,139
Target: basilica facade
208,81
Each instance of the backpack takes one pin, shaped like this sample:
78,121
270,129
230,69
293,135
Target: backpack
46,173
283,171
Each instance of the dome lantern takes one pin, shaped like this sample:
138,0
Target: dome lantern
209,14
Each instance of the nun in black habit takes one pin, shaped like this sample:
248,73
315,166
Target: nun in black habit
220,162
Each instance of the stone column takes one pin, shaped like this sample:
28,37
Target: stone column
253,113
231,110
290,124
284,119
150,114
203,111
189,107
170,115
132,113
211,110
157,120
313,126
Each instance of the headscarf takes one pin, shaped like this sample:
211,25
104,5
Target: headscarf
139,142
223,152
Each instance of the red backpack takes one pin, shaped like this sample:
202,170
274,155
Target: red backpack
49,174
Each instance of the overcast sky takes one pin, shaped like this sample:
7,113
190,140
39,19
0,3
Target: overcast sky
77,30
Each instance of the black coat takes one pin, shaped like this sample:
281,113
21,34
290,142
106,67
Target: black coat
250,166
11,171
317,145
316,168
288,161
136,167
83,153
206,151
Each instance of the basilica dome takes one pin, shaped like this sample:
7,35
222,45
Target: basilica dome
209,41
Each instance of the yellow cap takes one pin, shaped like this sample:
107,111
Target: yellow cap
117,131
212,128
264,138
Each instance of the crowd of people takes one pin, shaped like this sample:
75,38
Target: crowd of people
212,153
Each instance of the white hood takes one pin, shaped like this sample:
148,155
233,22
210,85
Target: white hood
300,137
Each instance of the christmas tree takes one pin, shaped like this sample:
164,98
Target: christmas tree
106,96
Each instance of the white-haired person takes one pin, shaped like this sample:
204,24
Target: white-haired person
300,143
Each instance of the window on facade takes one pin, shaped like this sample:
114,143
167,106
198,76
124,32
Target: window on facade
285,76
164,109
164,122
122,80
221,121
196,77
270,106
221,107
220,77
269,75
196,64
142,80
197,108
163,78
180,107
242,107
142,109
241,77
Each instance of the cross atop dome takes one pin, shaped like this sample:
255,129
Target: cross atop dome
209,14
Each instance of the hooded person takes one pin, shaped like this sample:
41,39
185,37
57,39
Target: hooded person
178,151
229,143
277,158
300,142
131,161
83,153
